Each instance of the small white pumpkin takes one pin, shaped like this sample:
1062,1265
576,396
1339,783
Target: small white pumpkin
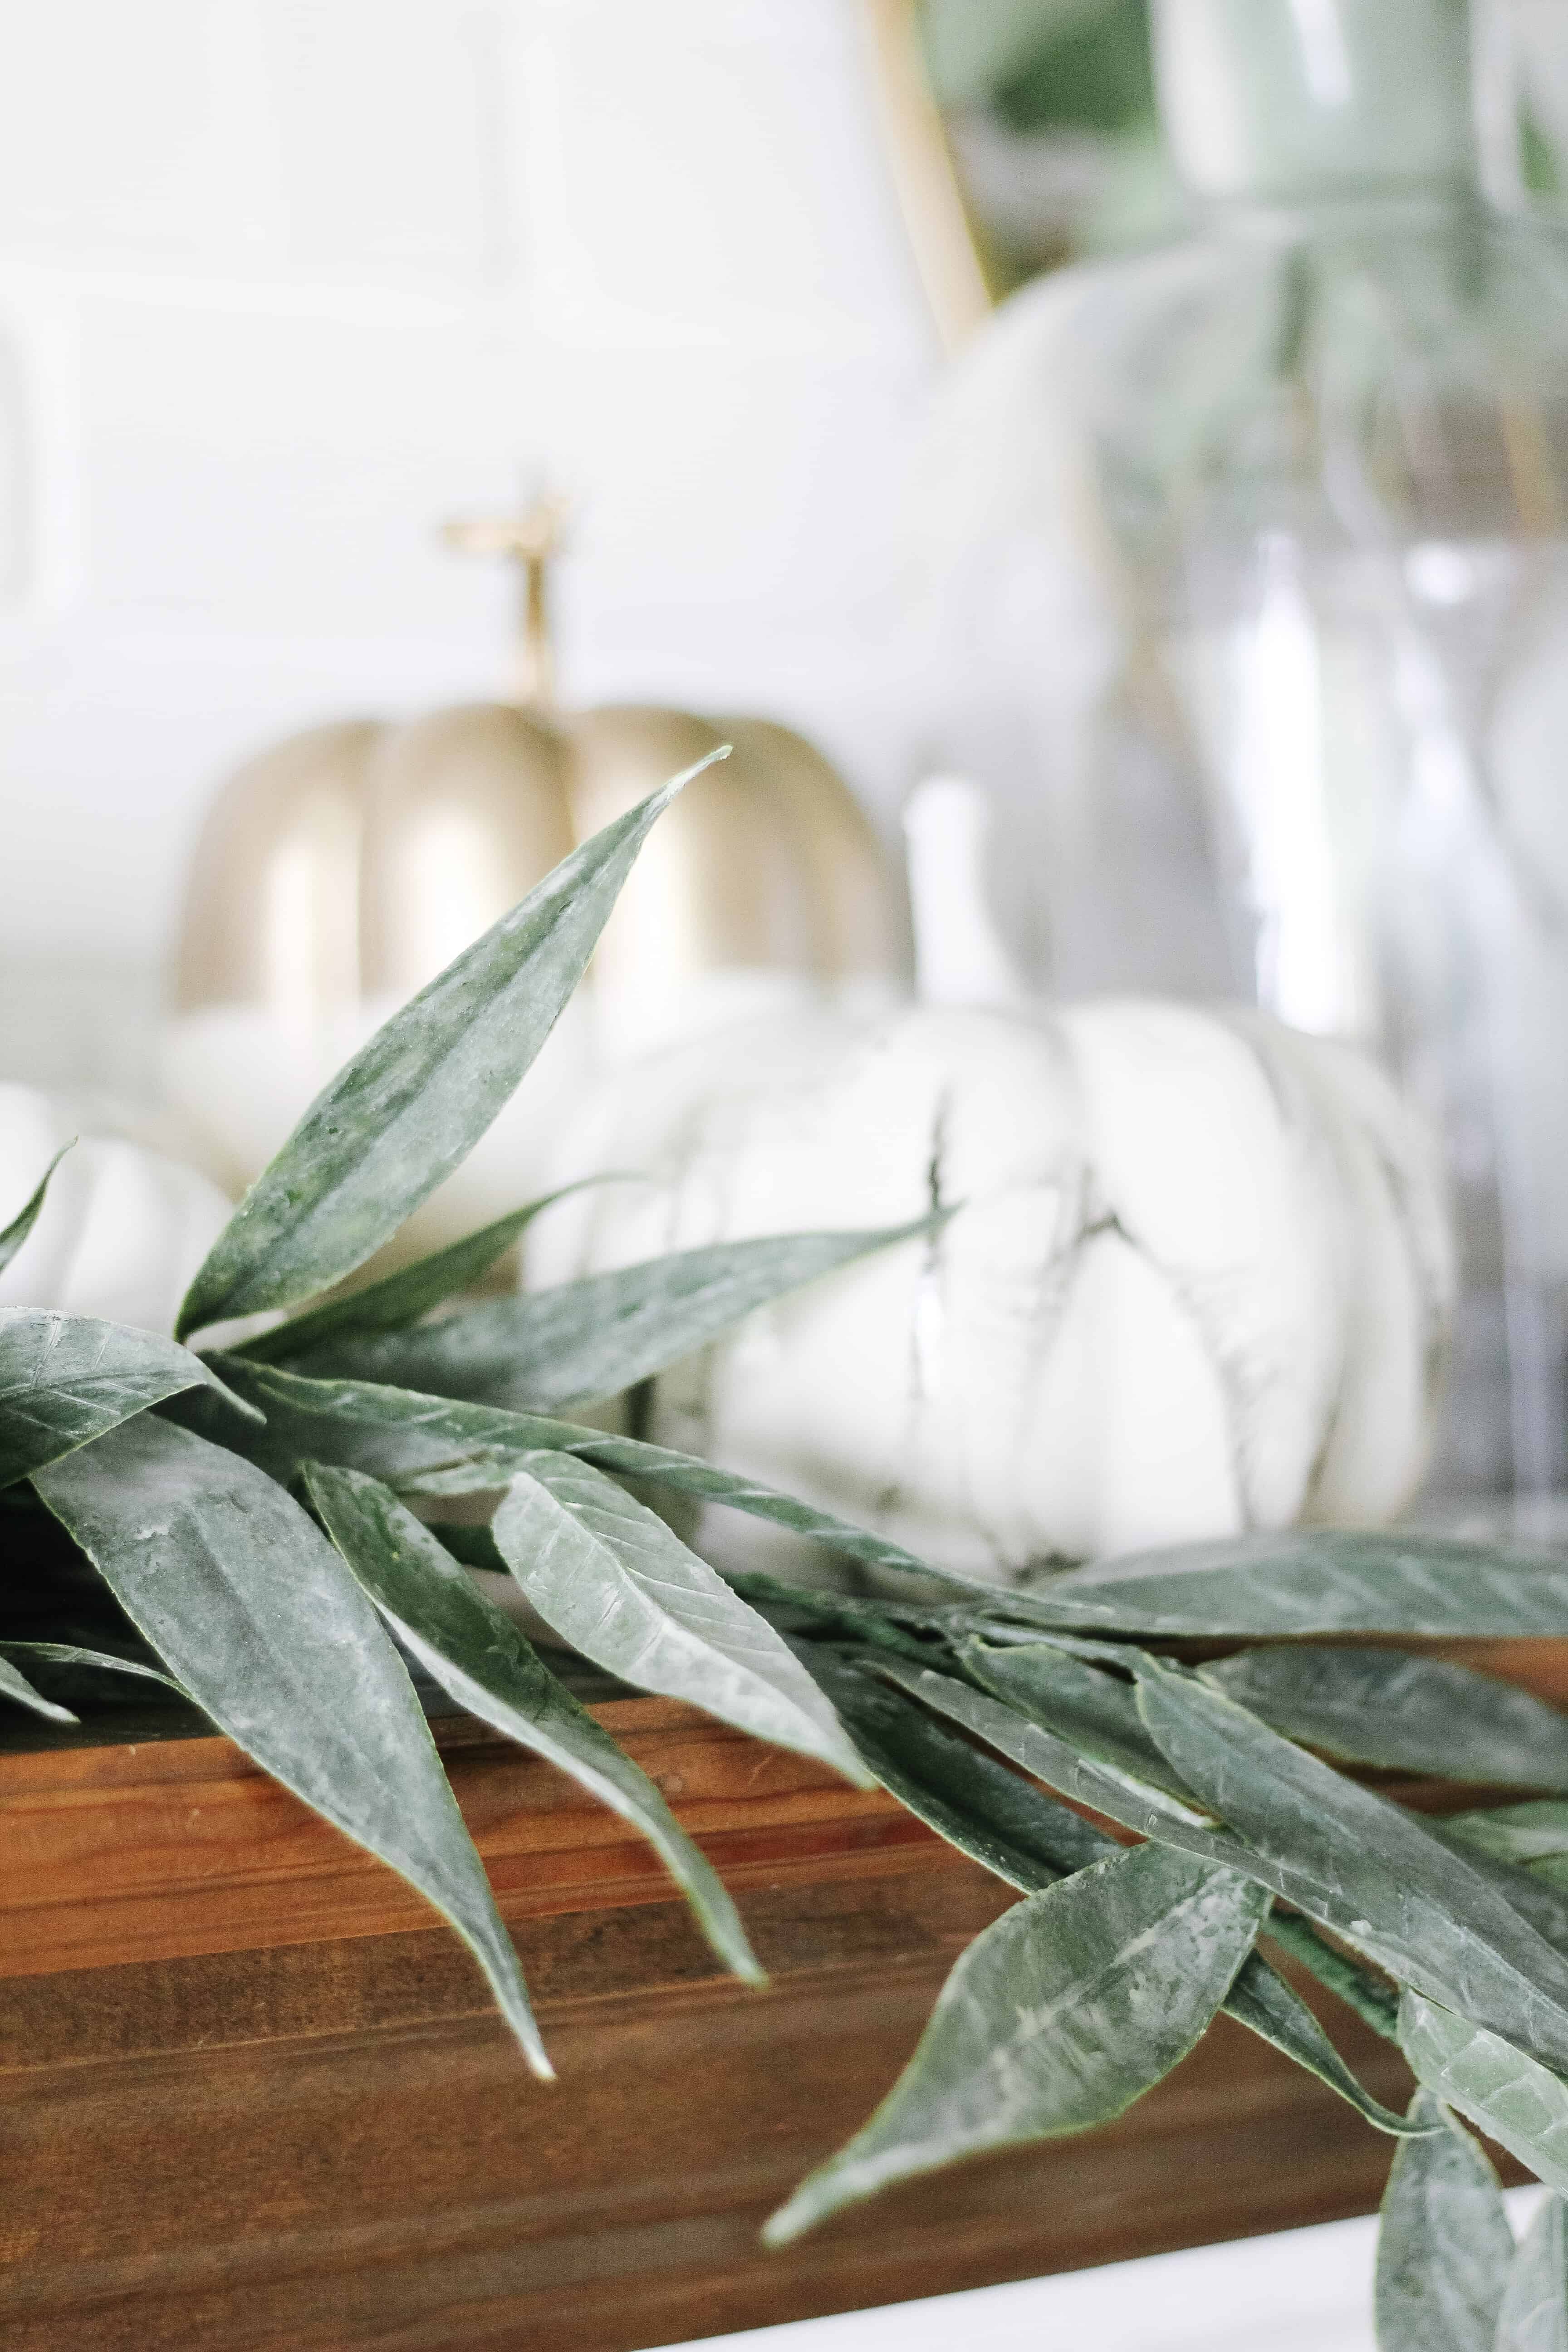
123,1229
1197,1280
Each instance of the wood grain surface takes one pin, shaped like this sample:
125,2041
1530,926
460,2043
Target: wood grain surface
254,2100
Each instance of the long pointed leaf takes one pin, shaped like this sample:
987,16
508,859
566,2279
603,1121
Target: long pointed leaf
999,1820
72,1654
1262,2000
412,1103
1056,2019
248,1603
15,1686
400,1298
615,1582
1534,2313
1443,2246
1409,1715
1095,1712
1137,1804
1531,1893
13,1235
1372,1873
1362,1866
1009,1827
1515,2100
432,1445
483,1659
1533,1834
66,1379
593,1338
1319,1581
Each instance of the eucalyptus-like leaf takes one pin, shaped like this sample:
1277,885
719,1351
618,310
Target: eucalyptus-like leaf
1534,2314
1377,1877
592,1338
1010,1828
1363,1990
72,1654
1095,1712
410,1104
434,1446
253,1611
622,1589
1405,1713
1065,2011
480,1655
13,1235
1512,2098
1318,1581
1261,2000
1533,1834
1120,1796
66,1379
1364,1867
814,1614
400,1298
15,1686
987,1811
1531,1891
1443,2246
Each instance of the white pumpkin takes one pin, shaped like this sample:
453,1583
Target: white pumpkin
123,1229
1197,1280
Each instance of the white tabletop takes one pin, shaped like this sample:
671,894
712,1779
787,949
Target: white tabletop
1303,2291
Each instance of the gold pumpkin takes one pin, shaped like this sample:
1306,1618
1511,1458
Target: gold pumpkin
341,869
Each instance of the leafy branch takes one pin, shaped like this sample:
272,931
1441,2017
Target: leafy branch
252,1514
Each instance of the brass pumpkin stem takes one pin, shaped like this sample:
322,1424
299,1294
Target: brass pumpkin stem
532,540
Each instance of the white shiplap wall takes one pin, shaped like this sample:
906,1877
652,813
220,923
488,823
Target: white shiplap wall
283,282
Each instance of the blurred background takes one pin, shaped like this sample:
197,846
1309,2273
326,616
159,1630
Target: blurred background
283,285
1248,499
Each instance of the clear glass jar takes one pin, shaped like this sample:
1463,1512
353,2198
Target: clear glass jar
1329,432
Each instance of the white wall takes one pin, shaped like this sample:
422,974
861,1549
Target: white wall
284,282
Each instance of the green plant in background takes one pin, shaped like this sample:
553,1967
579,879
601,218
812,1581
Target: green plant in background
1051,104
273,1534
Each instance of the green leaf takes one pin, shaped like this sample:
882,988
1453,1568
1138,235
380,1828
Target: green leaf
1262,2000
13,1235
622,1589
1444,2245
432,1445
1405,1713
1056,2019
1525,1848
1530,1890
1319,1581
400,1298
1533,1834
1515,2100
249,1606
71,1653
1534,2314
980,1806
593,1338
14,1685
1096,1713
483,1659
1372,1873
1364,1867
66,1379
410,1105
1137,1804
1007,1825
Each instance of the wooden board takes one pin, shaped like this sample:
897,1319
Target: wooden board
253,2100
